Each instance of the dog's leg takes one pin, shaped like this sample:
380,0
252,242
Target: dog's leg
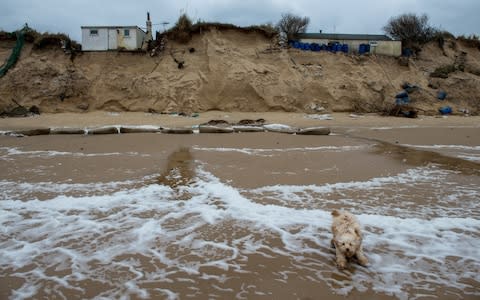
358,231
332,243
341,260
362,259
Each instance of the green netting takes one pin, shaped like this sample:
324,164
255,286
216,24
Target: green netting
10,62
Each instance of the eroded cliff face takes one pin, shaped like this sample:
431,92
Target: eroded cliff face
234,71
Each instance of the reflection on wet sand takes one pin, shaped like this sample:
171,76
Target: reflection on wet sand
179,170
416,157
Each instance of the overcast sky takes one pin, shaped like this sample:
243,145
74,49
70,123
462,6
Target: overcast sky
347,16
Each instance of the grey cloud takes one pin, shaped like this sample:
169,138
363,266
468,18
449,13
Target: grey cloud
347,16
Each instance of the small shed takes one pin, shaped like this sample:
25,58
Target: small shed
379,44
103,38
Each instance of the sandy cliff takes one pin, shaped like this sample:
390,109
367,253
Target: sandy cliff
233,71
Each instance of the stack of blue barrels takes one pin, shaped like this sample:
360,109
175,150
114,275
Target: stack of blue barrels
317,47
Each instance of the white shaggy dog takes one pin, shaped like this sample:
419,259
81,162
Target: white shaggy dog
347,238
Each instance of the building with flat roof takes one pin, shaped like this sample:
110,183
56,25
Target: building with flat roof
379,43
104,38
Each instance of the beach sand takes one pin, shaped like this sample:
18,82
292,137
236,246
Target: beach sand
338,120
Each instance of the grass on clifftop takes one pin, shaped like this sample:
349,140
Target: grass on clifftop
184,29
472,41
42,40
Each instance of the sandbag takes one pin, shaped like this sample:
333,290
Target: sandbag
214,129
177,130
314,131
67,130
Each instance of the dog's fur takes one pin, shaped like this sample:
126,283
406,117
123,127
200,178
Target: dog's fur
347,238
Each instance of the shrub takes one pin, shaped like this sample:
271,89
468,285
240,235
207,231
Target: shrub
31,35
472,41
443,71
411,29
441,36
49,40
43,40
74,45
7,36
291,25
182,31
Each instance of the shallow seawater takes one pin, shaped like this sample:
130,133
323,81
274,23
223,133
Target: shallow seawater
238,223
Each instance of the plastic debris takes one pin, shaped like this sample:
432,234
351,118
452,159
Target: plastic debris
410,88
441,95
402,98
320,117
402,94
445,110
402,101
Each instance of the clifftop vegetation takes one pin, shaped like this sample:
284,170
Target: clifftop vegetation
184,29
42,40
415,31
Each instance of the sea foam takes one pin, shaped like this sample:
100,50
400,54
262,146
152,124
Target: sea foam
146,234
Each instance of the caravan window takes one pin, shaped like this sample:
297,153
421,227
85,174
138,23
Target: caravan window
126,32
93,31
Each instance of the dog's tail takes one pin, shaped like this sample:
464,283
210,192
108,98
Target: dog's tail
335,213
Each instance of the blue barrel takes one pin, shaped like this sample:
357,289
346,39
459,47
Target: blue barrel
445,110
296,45
441,95
306,46
361,49
402,101
367,48
345,48
402,94
407,52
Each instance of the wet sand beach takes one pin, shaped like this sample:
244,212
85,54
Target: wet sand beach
240,215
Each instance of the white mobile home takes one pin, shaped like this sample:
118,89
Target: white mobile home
103,38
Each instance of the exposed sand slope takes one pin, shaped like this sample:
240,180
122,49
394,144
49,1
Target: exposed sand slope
232,71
